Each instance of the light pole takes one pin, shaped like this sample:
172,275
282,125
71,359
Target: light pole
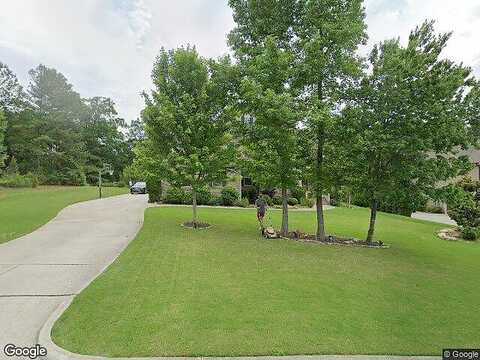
106,168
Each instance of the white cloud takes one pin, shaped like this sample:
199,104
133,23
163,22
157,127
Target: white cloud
107,47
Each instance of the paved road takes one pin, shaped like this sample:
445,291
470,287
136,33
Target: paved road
40,270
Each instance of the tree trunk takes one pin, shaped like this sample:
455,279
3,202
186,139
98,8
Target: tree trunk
318,187
194,203
320,222
373,218
284,212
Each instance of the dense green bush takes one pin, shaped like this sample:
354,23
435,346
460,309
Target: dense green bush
229,196
215,200
292,201
464,208
250,192
242,202
466,214
307,202
434,209
203,196
19,181
154,189
268,199
469,233
298,193
277,200
176,195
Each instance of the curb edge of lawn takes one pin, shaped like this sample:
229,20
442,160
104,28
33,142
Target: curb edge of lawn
55,352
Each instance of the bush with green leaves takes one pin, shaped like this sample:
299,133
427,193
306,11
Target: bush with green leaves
292,201
19,181
176,195
215,200
229,196
204,196
268,199
298,193
277,200
470,233
464,207
307,202
243,202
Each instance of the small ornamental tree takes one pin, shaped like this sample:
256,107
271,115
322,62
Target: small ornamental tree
409,119
188,118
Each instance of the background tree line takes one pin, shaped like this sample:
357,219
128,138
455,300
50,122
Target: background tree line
299,104
53,134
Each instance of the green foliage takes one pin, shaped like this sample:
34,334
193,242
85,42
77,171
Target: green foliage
215,200
3,128
277,200
470,233
407,120
298,192
19,181
268,199
250,192
229,196
307,202
154,188
188,118
243,202
292,201
176,195
12,167
204,196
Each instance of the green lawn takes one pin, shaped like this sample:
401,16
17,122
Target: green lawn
226,291
24,210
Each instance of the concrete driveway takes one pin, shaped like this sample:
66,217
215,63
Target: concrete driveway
42,269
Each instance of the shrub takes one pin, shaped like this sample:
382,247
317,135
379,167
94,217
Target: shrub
215,200
470,233
267,199
229,196
434,209
242,202
466,214
292,201
154,189
176,195
19,181
277,200
203,196
250,192
307,202
298,193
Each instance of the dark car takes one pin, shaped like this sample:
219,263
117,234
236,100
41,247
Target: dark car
139,188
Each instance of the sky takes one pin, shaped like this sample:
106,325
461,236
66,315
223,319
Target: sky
107,48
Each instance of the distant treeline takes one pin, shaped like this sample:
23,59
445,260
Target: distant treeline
50,132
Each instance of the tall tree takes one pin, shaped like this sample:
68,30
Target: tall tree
324,36
270,121
3,128
410,118
12,96
62,110
328,33
105,143
188,117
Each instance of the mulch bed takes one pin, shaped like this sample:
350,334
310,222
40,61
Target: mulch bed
198,225
335,240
